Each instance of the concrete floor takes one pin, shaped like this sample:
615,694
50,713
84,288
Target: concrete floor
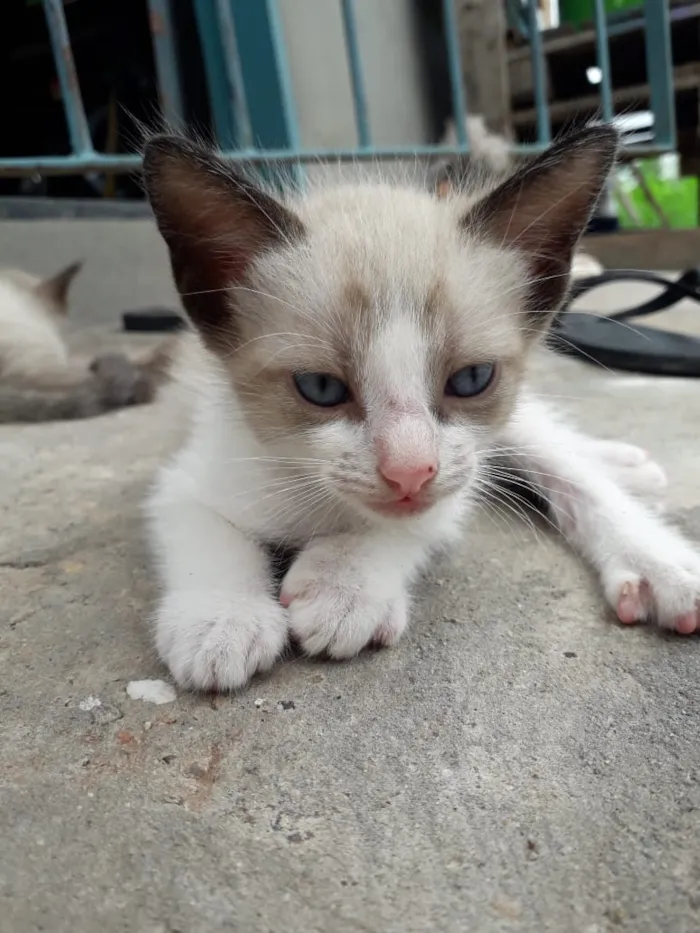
519,763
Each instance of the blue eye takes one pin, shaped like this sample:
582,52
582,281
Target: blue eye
470,381
321,389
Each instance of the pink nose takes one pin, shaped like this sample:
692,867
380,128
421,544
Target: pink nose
408,480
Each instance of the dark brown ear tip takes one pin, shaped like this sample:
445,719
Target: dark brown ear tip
602,136
73,269
160,148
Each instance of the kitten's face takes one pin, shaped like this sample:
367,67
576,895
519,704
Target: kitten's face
385,347
377,335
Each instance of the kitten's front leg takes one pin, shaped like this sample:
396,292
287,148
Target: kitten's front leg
218,621
347,591
647,569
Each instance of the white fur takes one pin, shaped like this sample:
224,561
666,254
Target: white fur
639,560
220,620
231,492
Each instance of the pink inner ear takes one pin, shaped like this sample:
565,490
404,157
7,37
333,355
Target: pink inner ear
543,209
221,231
215,223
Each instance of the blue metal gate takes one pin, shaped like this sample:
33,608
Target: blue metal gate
243,95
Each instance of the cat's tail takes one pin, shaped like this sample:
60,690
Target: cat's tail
489,162
493,150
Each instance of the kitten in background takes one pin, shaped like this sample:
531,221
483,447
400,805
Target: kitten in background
360,355
32,314
38,381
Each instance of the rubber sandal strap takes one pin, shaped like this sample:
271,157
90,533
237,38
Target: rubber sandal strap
610,342
615,345
686,286
152,320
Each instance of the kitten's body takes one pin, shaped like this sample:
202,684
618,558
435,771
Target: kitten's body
75,392
38,380
405,302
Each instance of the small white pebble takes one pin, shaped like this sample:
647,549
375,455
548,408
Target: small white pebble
147,725
260,702
152,691
89,703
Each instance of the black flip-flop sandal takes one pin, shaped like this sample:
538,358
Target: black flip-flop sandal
152,321
612,342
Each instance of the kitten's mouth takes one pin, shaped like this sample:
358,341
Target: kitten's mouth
406,506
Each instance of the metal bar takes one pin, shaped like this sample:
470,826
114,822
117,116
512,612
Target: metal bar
285,88
616,27
124,164
169,88
283,73
454,62
603,50
78,129
234,75
359,93
215,71
539,75
660,71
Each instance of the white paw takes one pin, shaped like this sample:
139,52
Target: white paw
218,641
338,610
664,589
631,467
619,454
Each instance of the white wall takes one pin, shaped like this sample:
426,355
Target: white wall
320,76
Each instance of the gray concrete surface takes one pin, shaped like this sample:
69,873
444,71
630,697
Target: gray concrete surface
519,763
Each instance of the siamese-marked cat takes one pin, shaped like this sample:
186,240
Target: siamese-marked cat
360,353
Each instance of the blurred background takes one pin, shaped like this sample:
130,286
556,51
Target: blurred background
339,80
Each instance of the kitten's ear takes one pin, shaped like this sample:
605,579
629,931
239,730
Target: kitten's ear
215,223
55,289
543,209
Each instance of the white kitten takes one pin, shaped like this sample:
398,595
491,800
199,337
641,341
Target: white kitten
359,356
32,312
38,380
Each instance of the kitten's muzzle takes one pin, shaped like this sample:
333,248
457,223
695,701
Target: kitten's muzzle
410,488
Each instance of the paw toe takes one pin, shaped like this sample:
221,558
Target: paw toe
392,626
673,604
686,624
208,647
619,454
631,601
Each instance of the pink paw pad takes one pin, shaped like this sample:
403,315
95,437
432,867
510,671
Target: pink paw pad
634,605
286,599
388,633
686,624
631,603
